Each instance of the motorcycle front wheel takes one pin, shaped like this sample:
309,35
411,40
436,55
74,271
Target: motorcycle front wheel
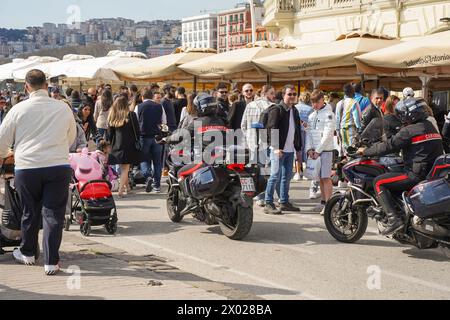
240,225
174,206
337,220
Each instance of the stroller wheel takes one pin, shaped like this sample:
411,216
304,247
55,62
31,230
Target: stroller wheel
111,227
67,223
85,229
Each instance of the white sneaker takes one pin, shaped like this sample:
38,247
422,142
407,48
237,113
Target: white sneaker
319,209
261,203
20,258
52,270
314,195
297,177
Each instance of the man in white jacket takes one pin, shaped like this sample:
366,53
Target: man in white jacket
40,130
320,143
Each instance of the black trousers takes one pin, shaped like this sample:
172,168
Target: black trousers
43,194
389,183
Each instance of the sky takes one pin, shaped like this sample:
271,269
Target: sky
25,13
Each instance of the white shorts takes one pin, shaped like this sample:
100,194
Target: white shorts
326,159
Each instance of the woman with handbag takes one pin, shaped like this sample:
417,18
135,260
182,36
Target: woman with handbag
124,137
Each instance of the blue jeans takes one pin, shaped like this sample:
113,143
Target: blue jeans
152,154
280,177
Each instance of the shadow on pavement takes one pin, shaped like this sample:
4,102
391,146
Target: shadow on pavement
15,294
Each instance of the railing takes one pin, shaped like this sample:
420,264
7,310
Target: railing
307,4
312,5
285,5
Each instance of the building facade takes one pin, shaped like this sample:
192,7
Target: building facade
199,31
235,27
318,21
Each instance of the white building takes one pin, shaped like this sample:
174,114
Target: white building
314,21
200,31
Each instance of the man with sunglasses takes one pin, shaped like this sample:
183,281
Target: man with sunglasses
222,99
238,108
285,137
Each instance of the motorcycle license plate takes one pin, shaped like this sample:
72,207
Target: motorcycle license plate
248,185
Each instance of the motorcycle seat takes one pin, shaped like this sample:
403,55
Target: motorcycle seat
189,169
440,169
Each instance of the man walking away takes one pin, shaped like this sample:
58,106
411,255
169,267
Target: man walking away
348,119
180,103
42,130
363,101
286,120
150,116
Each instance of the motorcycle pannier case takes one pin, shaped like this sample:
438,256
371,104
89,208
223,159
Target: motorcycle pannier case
431,199
208,182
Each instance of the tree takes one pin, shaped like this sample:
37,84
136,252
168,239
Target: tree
145,45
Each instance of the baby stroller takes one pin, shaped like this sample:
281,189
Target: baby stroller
91,202
10,235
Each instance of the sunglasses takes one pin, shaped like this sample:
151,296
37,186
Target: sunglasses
223,92
292,94
251,90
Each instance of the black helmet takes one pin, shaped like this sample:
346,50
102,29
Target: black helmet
412,110
205,104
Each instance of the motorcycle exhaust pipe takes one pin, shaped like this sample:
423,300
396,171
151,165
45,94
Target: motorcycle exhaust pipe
430,228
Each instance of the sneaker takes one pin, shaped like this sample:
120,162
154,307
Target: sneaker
314,195
319,208
20,258
52,270
288,207
165,173
149,186
271,209
322,213
261,203
297,177
157,190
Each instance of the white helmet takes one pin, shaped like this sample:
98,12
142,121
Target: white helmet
408,93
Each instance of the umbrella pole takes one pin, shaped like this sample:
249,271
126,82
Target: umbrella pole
299,86
425,89
195,84
268,80
363,83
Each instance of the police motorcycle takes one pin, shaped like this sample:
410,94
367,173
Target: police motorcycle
214,192
426,207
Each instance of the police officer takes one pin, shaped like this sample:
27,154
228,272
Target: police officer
208,120
421,145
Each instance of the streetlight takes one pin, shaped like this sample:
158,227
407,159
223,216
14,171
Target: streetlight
253,14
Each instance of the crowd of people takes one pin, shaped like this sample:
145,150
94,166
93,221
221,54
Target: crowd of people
125,125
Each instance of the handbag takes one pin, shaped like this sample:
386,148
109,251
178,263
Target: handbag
313,168
138,145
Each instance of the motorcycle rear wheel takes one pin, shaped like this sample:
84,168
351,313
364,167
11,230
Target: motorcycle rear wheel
241,225
338,226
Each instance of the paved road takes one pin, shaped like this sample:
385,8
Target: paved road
286,257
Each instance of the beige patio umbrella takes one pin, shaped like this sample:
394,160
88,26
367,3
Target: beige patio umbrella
429,54
162,68
236,65
336,58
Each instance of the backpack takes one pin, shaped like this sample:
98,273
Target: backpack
264,118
